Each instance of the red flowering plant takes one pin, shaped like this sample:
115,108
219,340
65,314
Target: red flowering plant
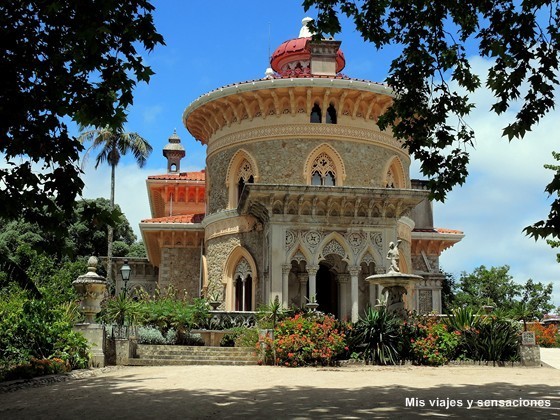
308,340
433,344
545,336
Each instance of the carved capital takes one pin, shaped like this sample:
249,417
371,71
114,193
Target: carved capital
286,269
312,270
354,270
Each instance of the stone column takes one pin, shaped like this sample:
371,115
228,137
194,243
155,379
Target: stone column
243,295
312,272
373,294
286,268
343,295
302,277
354,291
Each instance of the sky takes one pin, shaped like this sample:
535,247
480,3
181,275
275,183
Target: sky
212,44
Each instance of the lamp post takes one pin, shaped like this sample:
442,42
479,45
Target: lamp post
125,274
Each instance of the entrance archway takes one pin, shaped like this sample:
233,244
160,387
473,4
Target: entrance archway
327,290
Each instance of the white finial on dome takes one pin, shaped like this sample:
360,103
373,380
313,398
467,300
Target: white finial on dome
304,32
269,73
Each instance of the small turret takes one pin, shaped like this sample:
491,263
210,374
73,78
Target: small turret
174,152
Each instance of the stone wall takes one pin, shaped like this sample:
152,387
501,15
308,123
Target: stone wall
283,161
217,252
181,268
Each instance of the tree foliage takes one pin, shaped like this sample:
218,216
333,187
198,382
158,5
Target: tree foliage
62,61
496,287
521,39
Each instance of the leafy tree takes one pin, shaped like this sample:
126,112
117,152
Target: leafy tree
496,286
447,291
537,298
114,144
521,38
85,235
88,232
137,250
63,61
550,228
487,286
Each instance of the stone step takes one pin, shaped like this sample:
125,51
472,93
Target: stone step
157,355
189,362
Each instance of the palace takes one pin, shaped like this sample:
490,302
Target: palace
301,195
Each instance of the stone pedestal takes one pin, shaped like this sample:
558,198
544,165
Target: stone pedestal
95,335
530,355
394,286
125,349
529,352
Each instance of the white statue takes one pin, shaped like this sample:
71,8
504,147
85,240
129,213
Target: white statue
393,256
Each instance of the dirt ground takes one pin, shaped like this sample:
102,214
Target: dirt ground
255,392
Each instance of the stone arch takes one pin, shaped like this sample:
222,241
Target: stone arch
235,163
394,175
374,253
340,171
239,262
334,243
299,254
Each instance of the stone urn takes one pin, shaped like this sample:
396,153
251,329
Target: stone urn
91,288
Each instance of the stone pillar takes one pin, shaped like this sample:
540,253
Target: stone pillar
243,281
354,292
372,294
302,277
91,288
312,272
343,295
286,268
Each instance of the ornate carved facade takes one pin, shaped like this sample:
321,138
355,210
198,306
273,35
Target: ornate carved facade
301,195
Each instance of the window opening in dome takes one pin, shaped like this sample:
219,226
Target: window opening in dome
316,114
331,114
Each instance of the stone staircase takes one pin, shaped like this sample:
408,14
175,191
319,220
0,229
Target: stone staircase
161,355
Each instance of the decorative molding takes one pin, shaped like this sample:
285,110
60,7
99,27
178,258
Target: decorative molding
308,130
230,226
334,247
243,269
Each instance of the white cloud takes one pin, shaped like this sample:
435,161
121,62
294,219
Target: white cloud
502,195
130,189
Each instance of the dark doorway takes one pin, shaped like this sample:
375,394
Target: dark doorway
327,290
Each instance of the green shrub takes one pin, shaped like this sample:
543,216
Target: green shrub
248,337
376,337
31,328
495,339
307,339
150,335
36,367
434,344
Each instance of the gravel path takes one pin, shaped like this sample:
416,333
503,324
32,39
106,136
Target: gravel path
213,392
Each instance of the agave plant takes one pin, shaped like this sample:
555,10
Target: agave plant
377,336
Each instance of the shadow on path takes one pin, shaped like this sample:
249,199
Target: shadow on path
130,397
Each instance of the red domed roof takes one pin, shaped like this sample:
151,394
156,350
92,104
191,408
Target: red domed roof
297,53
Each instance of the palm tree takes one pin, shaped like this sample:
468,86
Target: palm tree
114,144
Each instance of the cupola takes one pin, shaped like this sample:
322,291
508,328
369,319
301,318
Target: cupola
174,152
300,57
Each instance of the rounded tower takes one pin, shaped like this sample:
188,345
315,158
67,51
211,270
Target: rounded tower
305,192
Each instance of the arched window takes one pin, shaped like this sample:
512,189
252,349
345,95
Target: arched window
243,285
323,171
244,176
316,115
331,114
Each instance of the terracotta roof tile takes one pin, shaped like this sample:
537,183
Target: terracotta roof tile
439,230
187,176
183,218
443,230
